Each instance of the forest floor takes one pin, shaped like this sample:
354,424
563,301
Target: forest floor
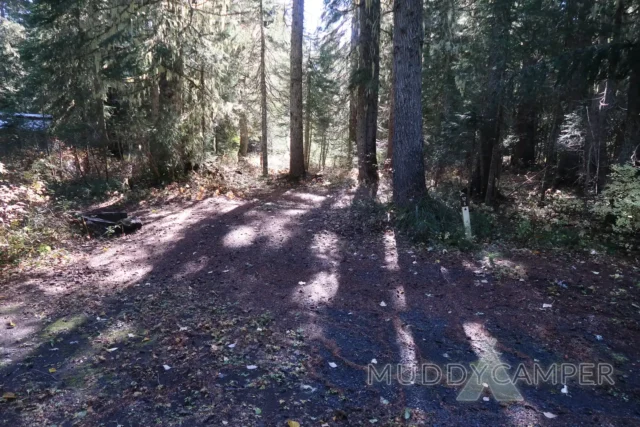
268,311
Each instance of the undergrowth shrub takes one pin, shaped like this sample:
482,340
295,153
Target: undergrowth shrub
619,203
368,215
30,224
438,218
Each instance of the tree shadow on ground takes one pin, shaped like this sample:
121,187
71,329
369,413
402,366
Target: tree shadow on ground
238,313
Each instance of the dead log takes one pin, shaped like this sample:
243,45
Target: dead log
107,224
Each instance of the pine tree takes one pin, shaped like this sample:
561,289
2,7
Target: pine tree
296,159
367,83
408,163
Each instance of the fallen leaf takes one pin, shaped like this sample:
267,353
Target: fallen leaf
565,390
111,350
252,367
549,415
9,396
383,304
333,365
291,423
166,367
52,370
374,361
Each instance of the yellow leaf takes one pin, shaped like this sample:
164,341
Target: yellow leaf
52,370
10,324
145,339
292,423
9,396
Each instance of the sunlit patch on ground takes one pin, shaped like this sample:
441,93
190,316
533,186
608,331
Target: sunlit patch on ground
240,237
248,308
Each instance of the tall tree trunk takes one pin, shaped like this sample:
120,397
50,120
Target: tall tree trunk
391,118
244,136
296,159
492,115
408,162
550,152
307,125
353,112
632,125
607,91
524,151
496,160
203,121
368,84
102,136
325,148
264,157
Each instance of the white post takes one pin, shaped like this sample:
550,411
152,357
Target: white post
466,219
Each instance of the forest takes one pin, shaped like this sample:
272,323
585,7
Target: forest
142,93
324,184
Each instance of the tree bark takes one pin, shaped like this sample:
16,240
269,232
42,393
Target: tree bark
367,91
550,152
492,115
203,121
296,159
244,136
353,98
391,119
323,149
524,151
496,160
102,136
307,125
408,162
602,106
263,98
632,125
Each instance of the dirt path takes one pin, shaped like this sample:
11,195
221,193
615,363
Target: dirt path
259,312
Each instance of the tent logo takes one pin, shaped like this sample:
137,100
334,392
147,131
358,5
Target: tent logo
489,372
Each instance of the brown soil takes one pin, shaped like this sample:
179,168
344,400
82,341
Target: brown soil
289,283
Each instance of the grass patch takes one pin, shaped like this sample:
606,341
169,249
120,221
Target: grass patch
63,325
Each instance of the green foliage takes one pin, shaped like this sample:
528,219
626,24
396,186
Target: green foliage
11,68
619,203
28,225
156,79
33,234
432,219
537,233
